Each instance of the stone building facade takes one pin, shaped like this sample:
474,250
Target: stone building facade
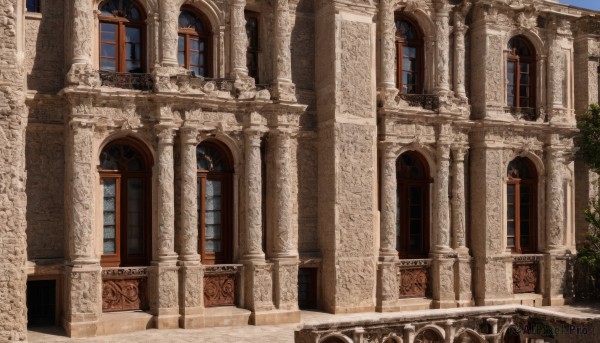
221,162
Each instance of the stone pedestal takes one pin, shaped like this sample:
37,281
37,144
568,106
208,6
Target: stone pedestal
387,287
83,293
258,290
164,297
554,279
191,297
463,281
443,282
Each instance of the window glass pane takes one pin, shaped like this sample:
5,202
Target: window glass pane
33,6
194,44
109,190
108,50
409,51
181,43
181,59
135,205
213,215
510,242
109,32
524,67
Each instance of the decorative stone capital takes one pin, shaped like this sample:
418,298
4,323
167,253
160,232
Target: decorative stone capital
165,134
189,135
253,137
83,74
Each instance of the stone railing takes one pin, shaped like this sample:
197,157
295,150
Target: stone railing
526,273
124,289
221,284
524,113
508,323
137,81
429,102
415,281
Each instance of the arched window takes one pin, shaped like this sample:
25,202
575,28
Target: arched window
409,56
215,195
194,48
520,73
122,36
412,221
521,202
125,175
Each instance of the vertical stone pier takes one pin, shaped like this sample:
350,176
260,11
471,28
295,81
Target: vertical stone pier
346,115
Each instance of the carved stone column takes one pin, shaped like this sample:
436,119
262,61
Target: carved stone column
191,275
387,63
83,285
462,266
555,200
387,248
283,88
169,12
239,40
459,56
442,221
458,200
285,238
442,47
163,277
252,249
387,271
409,333
82,25
81,31
560,97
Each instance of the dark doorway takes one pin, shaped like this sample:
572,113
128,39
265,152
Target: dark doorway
41,303
307,288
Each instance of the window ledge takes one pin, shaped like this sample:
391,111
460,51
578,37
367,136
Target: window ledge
33,15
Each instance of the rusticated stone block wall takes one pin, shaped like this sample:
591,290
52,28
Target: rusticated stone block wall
12,179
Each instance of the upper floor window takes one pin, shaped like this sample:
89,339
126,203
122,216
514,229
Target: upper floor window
252,30
521,202
412,222
215,195
520,73
122,36
409,56
194,48
33,6
125,175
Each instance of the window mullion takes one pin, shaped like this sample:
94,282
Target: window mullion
517,202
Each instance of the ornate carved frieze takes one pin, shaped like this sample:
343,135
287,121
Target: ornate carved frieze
220,285
124,289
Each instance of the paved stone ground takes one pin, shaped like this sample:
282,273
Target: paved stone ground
245,334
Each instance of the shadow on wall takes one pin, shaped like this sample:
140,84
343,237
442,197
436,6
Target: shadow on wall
44,48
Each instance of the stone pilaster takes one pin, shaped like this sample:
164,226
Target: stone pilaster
164,274
191,275
239,40
585,67
560,52
346,114
442,47
459,56
387,64
82,25
441,196
82,291
169,25
283,88
492,267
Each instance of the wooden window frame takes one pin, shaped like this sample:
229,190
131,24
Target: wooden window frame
188,33
121,49
403,240
517,60
121,258
254,50
418,45
532,183
226,177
